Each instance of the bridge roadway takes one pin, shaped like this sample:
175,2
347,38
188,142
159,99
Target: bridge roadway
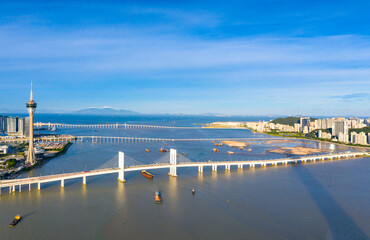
11,184
108,125
137,139
109,139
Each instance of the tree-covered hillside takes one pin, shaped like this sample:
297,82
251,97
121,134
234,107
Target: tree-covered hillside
289,120
358,130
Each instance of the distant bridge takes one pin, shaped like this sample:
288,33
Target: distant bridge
170,160
96,139
110,139
108,125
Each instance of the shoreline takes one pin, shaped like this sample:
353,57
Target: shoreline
312,139
40,163
318,140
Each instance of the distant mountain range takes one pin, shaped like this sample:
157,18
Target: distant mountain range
105,111
122,112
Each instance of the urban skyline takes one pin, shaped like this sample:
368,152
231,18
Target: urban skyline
188,58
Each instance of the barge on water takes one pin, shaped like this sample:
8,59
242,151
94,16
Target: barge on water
147,174
16,220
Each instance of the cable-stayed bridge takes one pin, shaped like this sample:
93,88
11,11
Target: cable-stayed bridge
121,164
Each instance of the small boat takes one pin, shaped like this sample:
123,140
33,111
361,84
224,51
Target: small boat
163,150
217,144
16,220
193,191
147,174
147,150
184,154
250,150
157,198
165,144
216,150
230,152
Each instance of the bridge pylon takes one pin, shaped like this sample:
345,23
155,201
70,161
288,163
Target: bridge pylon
173,162
121,166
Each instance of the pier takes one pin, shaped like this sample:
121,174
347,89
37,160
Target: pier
172,161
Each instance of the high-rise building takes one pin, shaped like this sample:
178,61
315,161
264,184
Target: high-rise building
5,124
20,129
304,121
11,125
319,134
26,127
296,127
343,137
31,106
1,124
359,138
339,126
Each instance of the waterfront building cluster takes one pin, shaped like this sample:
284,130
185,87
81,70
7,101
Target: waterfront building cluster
15,126
335,129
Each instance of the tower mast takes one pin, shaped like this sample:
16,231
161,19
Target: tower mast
31,107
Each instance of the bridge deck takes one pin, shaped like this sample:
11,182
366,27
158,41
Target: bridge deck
64,176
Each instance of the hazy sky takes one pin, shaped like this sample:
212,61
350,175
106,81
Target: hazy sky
233,57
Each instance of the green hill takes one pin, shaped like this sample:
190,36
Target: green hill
358,130
289,120
286,121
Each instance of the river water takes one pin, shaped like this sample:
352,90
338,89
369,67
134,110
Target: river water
321,200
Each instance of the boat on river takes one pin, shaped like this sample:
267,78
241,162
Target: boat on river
157,198
163,150
230,152
16,220
147,174
216,150
147,150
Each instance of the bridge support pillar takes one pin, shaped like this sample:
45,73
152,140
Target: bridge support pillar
121,165
84,180
29,187
173,162
13,188
240,166
10,189
20,188
251,166
227,167
39,186
214,168
200,169
62,183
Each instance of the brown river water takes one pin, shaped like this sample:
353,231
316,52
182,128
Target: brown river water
320,200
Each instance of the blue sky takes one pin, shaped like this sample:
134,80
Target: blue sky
231,57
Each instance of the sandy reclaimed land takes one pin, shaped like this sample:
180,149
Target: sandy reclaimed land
235,144
281,141
297,150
